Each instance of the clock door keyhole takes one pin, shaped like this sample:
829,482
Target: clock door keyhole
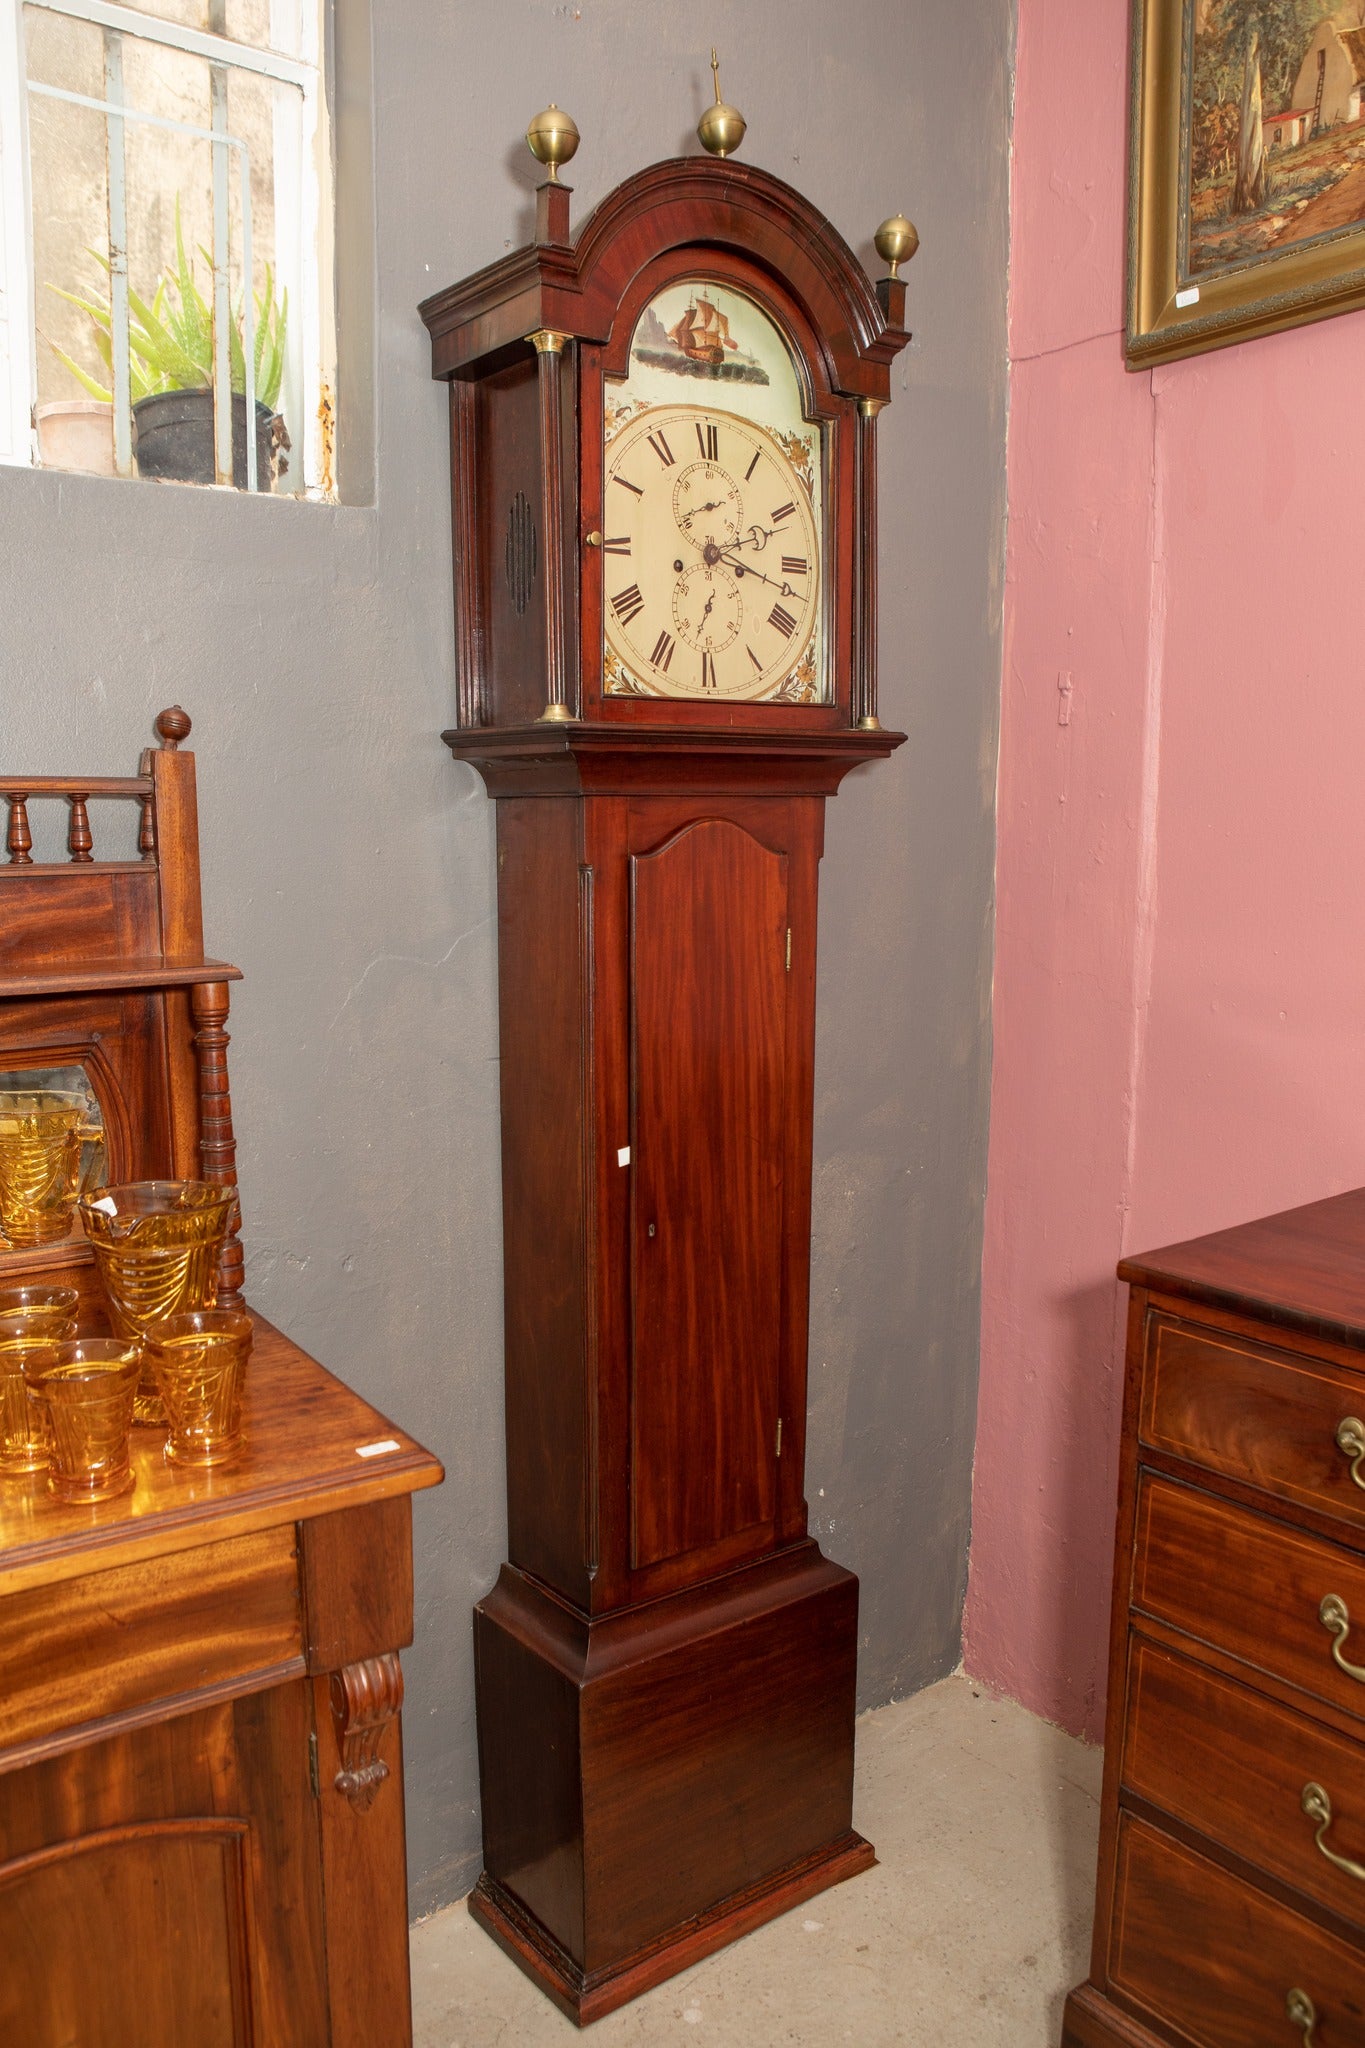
652,1230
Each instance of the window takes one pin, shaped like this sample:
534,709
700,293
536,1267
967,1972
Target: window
165,241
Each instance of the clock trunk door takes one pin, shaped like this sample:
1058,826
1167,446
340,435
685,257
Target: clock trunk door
709,988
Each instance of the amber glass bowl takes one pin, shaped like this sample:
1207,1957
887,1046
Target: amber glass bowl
88,1389
41,1140
198,1361
33,1322
156,1244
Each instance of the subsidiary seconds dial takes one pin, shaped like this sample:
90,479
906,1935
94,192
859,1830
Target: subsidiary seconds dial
711,574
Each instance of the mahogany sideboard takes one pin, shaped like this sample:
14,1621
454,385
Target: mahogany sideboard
201,1787
201,1782
1230,1907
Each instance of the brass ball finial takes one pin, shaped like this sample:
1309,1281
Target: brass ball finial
721,127
896,241
552,139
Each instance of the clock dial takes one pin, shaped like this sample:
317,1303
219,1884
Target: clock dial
712,513
711,586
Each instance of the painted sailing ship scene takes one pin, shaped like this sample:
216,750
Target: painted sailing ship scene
1276,127
699,342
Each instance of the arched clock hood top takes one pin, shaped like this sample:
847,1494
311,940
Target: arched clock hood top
575,285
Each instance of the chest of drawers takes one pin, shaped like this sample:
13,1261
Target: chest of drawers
1230,1899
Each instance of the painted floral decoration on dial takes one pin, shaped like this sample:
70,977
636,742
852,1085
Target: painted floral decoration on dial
711,542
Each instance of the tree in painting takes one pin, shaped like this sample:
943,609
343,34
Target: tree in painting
1248,191
1277,141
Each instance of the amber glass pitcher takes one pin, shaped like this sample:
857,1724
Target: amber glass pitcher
156,1244
43,1133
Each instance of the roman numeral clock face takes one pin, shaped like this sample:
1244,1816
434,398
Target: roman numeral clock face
711,527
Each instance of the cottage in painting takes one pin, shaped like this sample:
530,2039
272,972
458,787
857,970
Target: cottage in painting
1287,131
1331,78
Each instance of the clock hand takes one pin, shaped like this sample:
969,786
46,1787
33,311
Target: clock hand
756,537
783,589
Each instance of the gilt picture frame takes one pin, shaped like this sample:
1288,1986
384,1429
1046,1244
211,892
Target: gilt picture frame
1246,210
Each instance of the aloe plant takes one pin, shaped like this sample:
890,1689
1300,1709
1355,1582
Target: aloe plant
170,342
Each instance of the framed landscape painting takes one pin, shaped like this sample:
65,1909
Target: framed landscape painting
1247,192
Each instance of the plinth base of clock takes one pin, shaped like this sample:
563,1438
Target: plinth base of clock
659,1781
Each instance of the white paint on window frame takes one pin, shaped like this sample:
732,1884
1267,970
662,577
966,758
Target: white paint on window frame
301,167
18,377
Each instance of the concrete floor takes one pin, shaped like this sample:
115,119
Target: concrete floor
971,1929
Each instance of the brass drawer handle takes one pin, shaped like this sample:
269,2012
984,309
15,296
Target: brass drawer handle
1318,1807
1336,1619
1351,1442
1302,2013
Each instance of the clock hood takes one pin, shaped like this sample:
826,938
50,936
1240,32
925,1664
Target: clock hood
574,284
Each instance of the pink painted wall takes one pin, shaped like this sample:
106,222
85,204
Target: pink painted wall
1180,952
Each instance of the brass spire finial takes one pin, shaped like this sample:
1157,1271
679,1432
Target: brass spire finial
721,127
552,139
896,241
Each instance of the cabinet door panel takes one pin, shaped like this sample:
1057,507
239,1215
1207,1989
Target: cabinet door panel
163,1888
133,1934
708,1034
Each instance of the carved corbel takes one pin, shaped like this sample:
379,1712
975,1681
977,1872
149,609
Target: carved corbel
366,1697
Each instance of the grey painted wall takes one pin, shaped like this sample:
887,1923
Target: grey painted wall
347,859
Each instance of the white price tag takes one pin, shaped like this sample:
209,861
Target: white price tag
1189,297
623,1156
389,1443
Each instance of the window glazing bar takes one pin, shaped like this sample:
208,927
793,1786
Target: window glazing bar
197,42
126,113
248,328
222,271
118,254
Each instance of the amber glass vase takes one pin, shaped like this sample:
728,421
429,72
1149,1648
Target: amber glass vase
88,1388
42,1134
198,1362
156,1244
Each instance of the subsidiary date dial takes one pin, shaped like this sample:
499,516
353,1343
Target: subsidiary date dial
711,563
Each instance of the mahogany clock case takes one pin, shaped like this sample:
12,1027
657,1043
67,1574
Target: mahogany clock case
666,1667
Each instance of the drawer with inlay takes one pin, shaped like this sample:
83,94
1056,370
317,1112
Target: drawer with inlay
1220,1963
1292,1426
1283,1603
112,1646
1263,1782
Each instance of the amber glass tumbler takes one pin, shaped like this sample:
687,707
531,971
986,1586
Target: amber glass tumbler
198,1362
156,1244
33,1321
46,1308
88,1388
42,1132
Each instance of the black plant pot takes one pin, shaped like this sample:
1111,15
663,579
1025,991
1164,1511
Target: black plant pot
174,438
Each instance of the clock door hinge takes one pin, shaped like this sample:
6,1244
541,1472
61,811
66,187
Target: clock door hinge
789,949
779,1436
313,1778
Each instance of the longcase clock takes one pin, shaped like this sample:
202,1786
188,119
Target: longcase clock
664,503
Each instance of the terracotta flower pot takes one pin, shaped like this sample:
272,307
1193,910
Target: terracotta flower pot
78,434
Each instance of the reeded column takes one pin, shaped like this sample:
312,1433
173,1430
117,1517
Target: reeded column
865,497
549,347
